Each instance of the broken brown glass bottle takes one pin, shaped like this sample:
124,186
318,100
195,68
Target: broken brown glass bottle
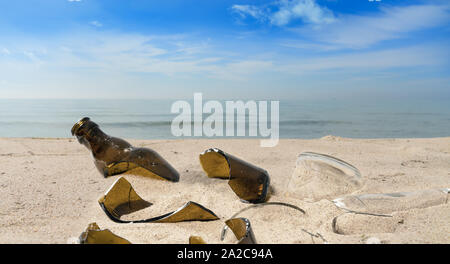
249,182
114,156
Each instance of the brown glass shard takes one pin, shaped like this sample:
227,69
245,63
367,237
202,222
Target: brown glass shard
121,199
249,182
95,235
114,156
242,230
196,240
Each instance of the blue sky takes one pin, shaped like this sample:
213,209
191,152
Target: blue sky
276,49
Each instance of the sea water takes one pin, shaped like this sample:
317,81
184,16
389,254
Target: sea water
151,119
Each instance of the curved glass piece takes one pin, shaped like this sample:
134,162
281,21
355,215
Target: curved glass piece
121,199
196,240
319,176
225,228
114,156
95,235
249,182
386,203
242,230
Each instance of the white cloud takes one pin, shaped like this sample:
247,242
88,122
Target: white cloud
31,56
188,48
95,23
122,54
326,31
109,59
249,10
307,10
73,0
415,56
285,11
5,51
126,53
241,69
353,31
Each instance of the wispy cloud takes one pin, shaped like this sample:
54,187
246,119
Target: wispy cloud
405,57
356,31
137,53
91,55
5,51
281,13
248,10
325,30
95,23
134,53
31,56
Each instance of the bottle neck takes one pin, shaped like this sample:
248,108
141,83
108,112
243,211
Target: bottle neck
94,138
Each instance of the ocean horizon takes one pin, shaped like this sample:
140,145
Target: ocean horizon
151,118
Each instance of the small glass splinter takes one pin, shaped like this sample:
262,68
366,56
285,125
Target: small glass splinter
115,156
249,182
95,235
121,199
196,240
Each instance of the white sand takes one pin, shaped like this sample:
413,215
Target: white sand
49,190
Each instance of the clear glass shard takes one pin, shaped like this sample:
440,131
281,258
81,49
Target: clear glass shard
319,176
386,203
234,216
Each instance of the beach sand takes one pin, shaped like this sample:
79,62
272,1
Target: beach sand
49,190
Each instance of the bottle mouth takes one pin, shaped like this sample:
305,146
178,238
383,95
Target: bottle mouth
79,124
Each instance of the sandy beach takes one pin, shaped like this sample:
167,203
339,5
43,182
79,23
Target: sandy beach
49,190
